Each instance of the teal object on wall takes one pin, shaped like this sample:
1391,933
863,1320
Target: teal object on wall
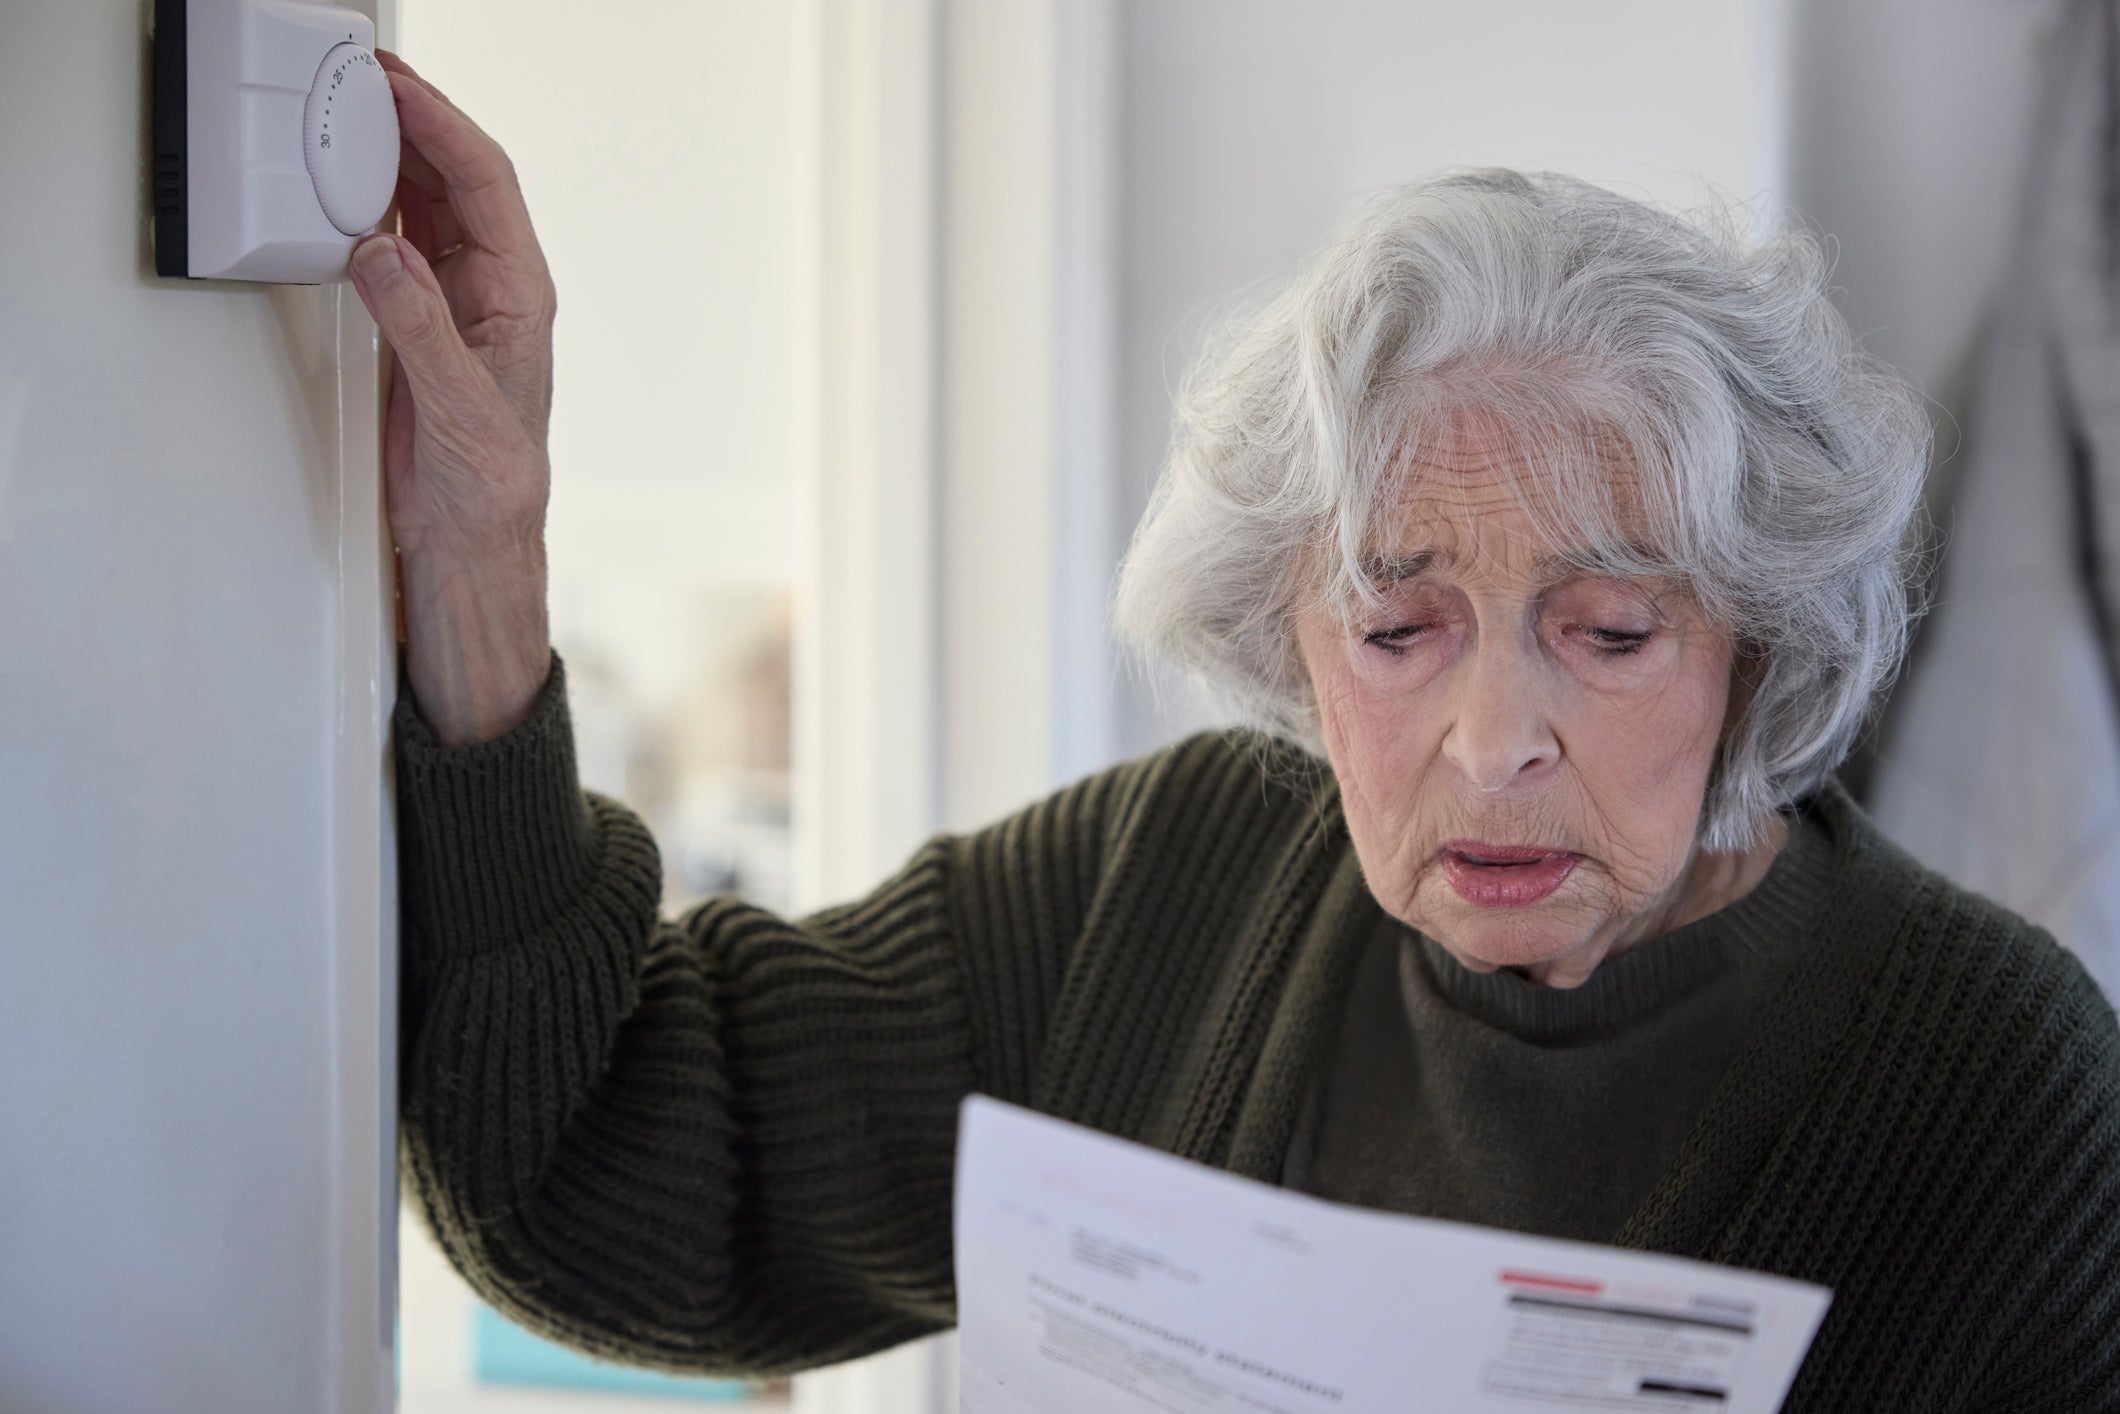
503,1353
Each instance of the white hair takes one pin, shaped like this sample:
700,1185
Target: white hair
1776,469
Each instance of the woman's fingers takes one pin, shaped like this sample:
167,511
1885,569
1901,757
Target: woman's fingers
395,62
395,65
428,192
416,223
406,302
475,173
430,221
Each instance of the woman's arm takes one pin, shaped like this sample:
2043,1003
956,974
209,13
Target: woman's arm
466,303
2052,1236
722,1144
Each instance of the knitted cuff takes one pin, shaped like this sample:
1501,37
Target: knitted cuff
495,840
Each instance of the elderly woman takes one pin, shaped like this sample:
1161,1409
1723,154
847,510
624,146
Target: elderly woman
1553,551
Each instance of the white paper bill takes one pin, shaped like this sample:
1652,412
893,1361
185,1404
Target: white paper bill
1096,1274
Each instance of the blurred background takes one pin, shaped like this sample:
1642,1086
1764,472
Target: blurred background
869,314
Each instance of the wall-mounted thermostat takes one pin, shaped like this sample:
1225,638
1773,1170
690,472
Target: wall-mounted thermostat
276,139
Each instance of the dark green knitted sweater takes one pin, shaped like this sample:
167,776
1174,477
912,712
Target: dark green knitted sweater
723,1144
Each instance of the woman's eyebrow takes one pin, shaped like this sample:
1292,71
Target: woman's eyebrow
1390,569
1552,569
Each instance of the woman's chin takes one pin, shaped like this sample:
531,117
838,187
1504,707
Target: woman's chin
1486,943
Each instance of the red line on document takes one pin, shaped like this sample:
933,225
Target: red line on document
1516,1278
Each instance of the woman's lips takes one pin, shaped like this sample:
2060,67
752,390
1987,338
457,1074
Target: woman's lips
1501,875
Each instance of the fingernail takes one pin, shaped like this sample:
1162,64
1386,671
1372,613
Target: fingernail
377,260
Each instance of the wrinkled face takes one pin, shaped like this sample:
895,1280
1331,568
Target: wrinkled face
1522,748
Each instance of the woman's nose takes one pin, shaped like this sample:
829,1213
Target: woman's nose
1500,733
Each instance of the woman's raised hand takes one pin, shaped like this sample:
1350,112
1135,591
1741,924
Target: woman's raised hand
466,303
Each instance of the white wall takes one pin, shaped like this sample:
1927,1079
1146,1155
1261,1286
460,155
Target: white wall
1247,126
196,916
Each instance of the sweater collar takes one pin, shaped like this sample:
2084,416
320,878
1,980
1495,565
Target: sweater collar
1823,993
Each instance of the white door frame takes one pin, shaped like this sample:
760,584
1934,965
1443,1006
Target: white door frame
956,357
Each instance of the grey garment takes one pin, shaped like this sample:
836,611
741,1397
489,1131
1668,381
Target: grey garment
2000,764
1489,1098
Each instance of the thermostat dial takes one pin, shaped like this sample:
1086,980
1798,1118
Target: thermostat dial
350,139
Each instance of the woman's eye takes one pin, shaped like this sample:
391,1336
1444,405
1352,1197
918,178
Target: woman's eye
1394,640
1615,642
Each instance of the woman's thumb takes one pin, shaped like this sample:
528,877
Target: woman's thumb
408,307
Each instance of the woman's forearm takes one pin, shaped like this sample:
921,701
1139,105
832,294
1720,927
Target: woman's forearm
477,641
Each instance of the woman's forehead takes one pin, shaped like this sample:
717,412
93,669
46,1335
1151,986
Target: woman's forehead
1466,503
1494,534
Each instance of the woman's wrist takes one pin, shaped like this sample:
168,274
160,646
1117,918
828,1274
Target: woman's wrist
478,646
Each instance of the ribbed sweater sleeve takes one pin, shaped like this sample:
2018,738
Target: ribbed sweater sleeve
716,1144
1954,1178
2054,1206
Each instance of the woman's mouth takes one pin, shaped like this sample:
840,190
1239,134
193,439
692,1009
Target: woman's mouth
1503,875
